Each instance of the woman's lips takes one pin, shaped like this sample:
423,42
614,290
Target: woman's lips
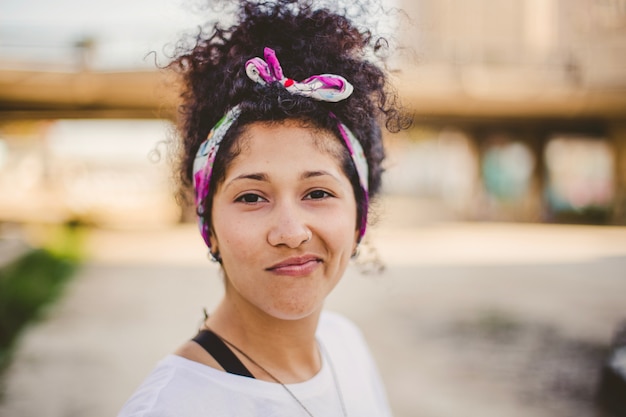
296,266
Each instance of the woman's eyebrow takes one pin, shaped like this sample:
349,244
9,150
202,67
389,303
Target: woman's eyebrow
256,176
263,177
312,174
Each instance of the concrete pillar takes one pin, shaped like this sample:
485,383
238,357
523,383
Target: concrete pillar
617,137
537,144
534,202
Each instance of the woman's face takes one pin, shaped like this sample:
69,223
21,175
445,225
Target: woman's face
285,186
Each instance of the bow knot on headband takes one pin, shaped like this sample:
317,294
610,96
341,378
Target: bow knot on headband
325,87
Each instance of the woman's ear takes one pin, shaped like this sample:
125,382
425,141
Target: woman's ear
214,243
357,240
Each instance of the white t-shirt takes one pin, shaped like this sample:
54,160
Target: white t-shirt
179,387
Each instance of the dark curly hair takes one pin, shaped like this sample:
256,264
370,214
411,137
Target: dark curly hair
307,41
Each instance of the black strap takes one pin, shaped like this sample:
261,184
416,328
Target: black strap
221,353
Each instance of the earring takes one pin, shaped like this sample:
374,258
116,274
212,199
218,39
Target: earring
215,257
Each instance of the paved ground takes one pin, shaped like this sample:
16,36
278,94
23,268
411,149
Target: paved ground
467,319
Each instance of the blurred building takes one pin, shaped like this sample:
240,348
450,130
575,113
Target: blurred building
530,95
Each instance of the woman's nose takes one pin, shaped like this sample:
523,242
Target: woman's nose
288,228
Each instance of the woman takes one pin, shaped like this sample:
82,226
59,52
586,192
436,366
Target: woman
284,152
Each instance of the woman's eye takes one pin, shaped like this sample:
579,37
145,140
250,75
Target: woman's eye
250,198
317,195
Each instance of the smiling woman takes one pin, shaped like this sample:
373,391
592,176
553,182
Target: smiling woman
284,221
283,170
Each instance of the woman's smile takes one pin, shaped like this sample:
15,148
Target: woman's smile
296,266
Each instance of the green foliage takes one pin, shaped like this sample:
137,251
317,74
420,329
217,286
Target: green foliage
30,283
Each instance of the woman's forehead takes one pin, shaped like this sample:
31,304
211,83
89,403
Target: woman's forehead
284,150
295,133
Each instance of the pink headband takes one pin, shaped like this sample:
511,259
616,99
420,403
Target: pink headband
325,87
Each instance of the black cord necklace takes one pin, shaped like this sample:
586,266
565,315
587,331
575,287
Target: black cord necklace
324,353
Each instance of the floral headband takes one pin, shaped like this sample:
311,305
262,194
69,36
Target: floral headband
324,87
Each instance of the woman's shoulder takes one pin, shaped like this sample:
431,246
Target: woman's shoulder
143,401
173,378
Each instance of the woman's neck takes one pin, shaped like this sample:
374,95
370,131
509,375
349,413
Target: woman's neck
286,348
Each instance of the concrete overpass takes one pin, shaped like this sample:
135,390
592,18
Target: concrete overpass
428,93
30,94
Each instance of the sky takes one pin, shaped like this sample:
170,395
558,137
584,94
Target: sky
125,30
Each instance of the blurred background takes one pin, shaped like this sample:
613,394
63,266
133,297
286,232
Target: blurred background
501,225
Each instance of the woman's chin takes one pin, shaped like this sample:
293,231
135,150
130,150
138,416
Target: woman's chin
295,312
